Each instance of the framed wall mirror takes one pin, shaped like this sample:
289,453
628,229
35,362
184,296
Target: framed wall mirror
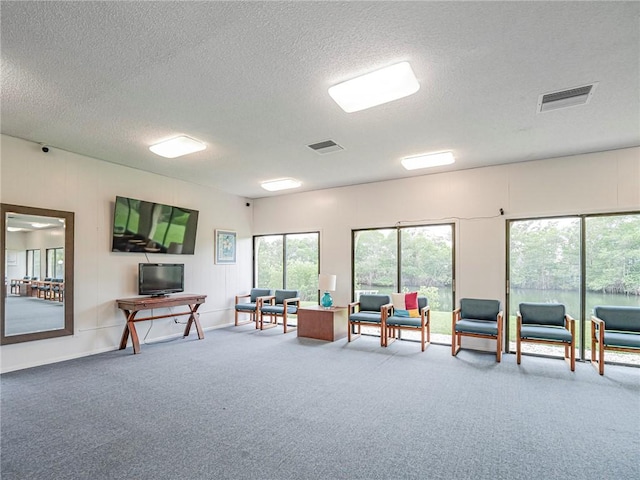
37,298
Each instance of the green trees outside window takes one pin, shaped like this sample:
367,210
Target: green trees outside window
580,261
289,261
408,259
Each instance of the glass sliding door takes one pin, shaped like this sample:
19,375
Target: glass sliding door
375,261
288,261
544,267
555,259
612,269
408,259
426,266
302,265
268,256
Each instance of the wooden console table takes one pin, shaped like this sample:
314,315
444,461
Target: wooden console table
321,323
131,306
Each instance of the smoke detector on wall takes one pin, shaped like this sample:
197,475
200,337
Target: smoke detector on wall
570,97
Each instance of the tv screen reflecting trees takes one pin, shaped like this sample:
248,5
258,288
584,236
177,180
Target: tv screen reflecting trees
148,227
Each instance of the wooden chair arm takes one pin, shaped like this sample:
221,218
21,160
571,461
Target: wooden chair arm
386,311
425,310
570,324
352,307
287,301
238,297
455,318
266,299
500,321
597,329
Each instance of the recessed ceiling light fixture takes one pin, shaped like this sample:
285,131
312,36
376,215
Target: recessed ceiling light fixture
13,229
428,160
281,184
375,88
177,147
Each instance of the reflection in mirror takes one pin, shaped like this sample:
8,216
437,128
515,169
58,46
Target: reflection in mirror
37,301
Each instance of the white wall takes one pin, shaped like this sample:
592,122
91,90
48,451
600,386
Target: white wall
16,243
88,188
36,240
599,182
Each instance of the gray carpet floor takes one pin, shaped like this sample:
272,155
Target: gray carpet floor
31,314
245,404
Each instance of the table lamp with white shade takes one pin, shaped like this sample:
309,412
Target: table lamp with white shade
326,283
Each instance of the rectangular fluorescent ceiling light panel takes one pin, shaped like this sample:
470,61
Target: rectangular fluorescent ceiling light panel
428,160
375,88
177,147
280,184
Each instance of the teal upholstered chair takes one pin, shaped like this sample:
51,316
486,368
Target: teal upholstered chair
393,324
479,318
614,328
367,311
16,283
248,304
44,288
282,304
546,323
57,289
34,286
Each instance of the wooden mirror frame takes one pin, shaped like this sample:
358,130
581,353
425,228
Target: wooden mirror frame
68,272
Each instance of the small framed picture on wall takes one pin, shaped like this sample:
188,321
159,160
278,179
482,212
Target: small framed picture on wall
12,258
225,245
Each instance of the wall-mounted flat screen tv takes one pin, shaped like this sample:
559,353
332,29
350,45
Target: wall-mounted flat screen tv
148,227
159,279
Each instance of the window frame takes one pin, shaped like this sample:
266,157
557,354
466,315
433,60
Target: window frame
584,316
399,228
284,255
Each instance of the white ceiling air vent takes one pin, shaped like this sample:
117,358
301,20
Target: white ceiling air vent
327,146
571,97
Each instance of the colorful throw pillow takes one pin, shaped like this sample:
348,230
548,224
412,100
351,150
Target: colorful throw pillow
405,304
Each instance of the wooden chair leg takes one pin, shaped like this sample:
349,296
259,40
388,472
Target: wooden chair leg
518,349
573,357
601,359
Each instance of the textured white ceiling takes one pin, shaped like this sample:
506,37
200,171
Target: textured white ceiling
250,79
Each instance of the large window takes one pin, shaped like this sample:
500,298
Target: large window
544,267
55,262
579,261
404,259
33,263
290,261
612,269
